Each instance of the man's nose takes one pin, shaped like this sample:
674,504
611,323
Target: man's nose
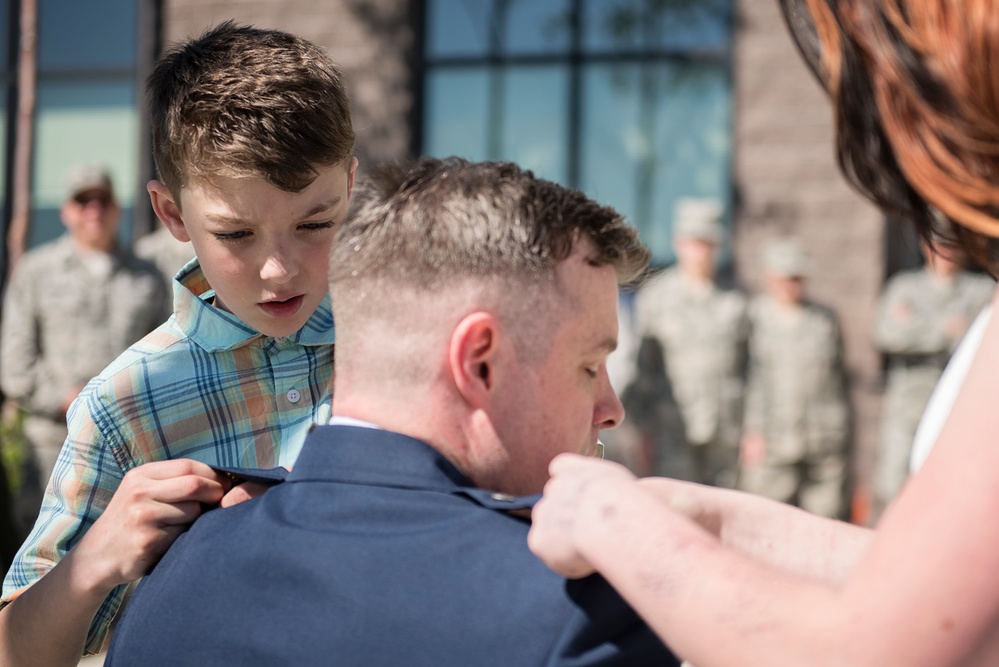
608,412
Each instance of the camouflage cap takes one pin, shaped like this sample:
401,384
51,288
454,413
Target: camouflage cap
699,219
84,177
785,257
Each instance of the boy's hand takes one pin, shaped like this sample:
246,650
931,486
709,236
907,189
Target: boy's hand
154,504
243,492
579,499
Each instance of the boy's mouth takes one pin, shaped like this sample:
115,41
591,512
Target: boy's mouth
282,308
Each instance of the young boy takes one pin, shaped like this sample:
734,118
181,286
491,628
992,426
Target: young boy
253,146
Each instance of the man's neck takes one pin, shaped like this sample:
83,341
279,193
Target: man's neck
426,420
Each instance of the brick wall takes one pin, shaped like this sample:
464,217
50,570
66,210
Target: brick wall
788,183
370,39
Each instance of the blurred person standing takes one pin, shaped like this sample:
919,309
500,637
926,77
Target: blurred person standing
796,430
702,328
168,254
72,306
921,317
652,417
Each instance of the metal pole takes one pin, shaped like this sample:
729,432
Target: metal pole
17,234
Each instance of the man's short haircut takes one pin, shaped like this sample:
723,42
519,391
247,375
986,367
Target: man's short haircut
246,102
438,223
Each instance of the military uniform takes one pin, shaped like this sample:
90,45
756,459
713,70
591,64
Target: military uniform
168,254
702,330
920,320
64,320
376,551
796,400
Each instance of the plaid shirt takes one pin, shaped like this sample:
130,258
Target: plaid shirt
202,386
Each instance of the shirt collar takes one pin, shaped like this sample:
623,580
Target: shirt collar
364,455
214,329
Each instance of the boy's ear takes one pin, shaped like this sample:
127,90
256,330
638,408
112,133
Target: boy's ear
473,357
167,210
350,177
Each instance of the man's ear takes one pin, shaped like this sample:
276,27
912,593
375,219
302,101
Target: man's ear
473,356
167,210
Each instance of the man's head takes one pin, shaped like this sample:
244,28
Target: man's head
253,144
476,306
785,267
89,210
697,234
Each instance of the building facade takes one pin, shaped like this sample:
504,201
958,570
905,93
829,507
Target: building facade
636,102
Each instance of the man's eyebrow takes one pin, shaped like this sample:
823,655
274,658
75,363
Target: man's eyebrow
609,344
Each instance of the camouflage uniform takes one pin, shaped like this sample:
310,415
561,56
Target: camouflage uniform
796,400
168,254
702,331
920,320
63,322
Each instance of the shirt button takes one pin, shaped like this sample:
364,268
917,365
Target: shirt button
502,497
294,395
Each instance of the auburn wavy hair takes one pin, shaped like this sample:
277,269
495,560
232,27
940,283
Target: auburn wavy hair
915,86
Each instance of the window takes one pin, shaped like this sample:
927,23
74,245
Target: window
86,102
628,100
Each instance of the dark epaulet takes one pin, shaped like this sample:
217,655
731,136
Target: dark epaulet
264,476
518,506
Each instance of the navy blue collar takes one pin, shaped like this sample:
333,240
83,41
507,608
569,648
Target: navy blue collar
357,455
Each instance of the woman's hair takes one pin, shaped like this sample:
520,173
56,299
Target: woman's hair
916,107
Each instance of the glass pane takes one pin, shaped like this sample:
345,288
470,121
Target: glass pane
86,34
657,25
652,134
473,28
455,113
516,114
77,122
5,38
3,151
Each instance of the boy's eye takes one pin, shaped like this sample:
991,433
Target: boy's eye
231,236
591,371
317,226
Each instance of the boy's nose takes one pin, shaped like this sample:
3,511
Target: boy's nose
278,267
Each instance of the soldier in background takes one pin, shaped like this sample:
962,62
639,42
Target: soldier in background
652,418
72,306
922,315
702,328
796,430
168,254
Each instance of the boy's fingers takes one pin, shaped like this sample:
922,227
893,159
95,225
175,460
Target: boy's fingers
175,468
242,493
181,514
180,489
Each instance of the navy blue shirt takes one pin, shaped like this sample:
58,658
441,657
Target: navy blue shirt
375,551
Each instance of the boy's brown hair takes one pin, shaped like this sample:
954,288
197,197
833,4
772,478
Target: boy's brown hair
247,102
